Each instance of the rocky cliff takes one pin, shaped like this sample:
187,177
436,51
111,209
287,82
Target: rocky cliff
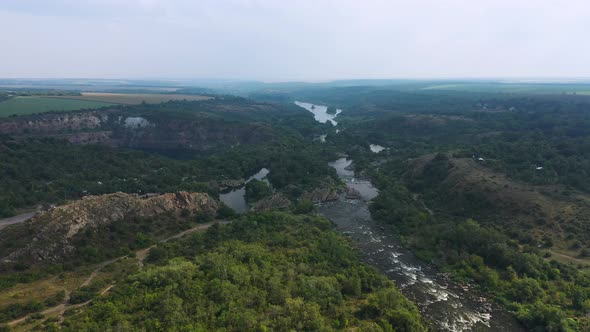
141,130
50,235
55,123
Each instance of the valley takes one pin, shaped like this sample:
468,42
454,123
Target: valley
313,166
446,203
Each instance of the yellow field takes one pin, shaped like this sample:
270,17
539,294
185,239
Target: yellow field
132,99
570,257
42,289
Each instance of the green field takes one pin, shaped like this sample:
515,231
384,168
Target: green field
132,98
532,88
30,105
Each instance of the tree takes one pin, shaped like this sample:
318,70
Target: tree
256,190
303,206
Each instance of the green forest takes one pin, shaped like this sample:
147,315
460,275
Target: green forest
263,272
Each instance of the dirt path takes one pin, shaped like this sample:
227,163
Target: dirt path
140,255
104,291
95,272
194,229
45,312
16,219
570,258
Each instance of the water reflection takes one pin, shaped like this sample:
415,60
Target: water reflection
235,198
320,112
376,148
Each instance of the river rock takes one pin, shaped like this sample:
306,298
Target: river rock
320,195
352,193
276,201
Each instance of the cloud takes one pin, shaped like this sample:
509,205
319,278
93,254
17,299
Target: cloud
319,39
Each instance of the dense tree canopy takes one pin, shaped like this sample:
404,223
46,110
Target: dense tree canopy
263,272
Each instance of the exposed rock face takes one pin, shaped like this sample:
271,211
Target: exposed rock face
327,191
276,201
53,230
53,123
321,195
117,128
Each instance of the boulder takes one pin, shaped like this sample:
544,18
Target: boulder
320,195
352,193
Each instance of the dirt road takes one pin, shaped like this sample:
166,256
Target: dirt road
16,219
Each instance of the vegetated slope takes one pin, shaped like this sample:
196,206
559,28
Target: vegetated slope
269,271
98,226
464,187
500,254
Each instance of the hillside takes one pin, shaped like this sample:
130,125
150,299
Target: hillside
138,129
269,271
265,271
549,215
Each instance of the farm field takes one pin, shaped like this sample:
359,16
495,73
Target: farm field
532,88
22,105
131,99
31,105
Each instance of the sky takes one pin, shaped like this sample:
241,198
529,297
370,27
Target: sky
281,40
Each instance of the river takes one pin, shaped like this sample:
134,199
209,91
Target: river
447,305
320,112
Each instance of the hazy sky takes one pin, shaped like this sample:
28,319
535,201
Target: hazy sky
294,39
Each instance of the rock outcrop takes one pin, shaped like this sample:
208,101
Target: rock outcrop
321,195
55,123
352,193
276,201
53,231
